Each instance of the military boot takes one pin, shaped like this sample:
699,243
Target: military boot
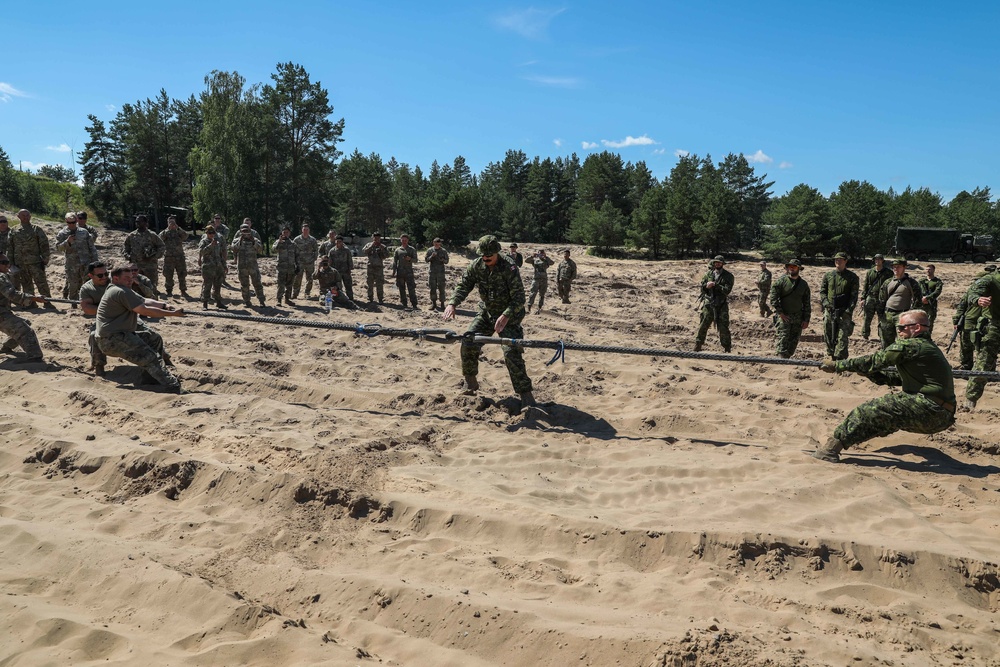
829,452
697,345
471,385
527,400
968,405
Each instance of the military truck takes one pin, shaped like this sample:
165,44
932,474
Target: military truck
927,243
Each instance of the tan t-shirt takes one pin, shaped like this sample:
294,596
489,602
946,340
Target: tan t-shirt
115,314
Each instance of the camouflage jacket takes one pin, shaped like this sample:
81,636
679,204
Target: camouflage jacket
28,245
764,280
437,258
285,251
77,245
173,242
791,297
329,279
144,286
4,241
342,260
403,260
541,266
10,294
718,293
376,254
839,291
989,285
921,365
874,279
143,247
931,289
246,251
566,270
306,250
210,256
500,287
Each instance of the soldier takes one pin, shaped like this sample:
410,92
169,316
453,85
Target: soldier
896,296
565,275
81,221
342,259
716,285
19,331
402,270
144,248
501,311
306,251
284,249
78,246
91,293
212,262
874,279
540,262
764,289
376,254
437,257
986,292
221,231
118,335
930,288
926,404
142,285
28,251
790,301
838,296
329,244
330,282
246,248
515,255
173,238
973,322
4,234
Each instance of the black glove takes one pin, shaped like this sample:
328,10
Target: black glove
828,366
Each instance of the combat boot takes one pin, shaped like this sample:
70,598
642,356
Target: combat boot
697,345
968,405
262,304
471,385
527,400
99,370
830,452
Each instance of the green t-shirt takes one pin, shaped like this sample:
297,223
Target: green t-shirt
115,313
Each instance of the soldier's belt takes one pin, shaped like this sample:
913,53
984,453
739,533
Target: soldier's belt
949,406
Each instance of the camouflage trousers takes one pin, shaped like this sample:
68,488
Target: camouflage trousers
306,271
788,335
986,360
248,275
887,328
719,315
170,267
765,307
837,332
870,313
376,282
483,324
339,301
435,281
76,276
969,341
21,334
407,284
564,287
286,277
348,284
150,269
33,280
538,287
931,310
882,416
144,348
98,358
211,285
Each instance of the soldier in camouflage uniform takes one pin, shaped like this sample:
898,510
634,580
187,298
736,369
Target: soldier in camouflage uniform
967,317
329,244
986,292
142,285
306,251
500,311
143,248
19,331
897,295
874,279
926,404
284,250
790,301
28,250
716,285
436,257
329,281
81,219
118,334
565,275
376,254
764,289
78,246
4,234
212,261
246,248
540,262
930,287
173,238
402,270
342,259
838,296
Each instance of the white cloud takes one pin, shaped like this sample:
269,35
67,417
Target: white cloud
759,158
680,152
556,81
61,148
28,165
629,141
111,107
785,165
530,23
528,63
558,142
7,92
659,151
587,145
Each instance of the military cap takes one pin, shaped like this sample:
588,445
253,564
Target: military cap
438,240
899,262
374,234
719,258
338,238
244,226
210,228
141,218
513,245
488,245
794,262
990,268
879,256
841,255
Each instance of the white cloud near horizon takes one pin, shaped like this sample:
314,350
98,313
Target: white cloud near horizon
110,107
530,23
644,140
587,145
558,142
8,92
680,152
555,81
785,165
760,157
659,151
61,148
31,166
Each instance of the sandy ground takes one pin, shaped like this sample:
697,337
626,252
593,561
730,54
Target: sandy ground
322,499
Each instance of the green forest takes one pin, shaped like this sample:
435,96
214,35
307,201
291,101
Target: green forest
269,151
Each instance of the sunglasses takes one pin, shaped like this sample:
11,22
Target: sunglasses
100,275
904,327
4,262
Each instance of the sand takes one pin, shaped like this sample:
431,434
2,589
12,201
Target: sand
322,499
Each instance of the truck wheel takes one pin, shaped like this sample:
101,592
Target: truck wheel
979,259
924,257
910,256
958,258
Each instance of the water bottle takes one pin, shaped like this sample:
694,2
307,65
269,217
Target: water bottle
328,300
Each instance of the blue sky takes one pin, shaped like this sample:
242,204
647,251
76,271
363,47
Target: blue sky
893,93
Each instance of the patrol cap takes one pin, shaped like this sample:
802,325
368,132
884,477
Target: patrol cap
513,245
438,240
488,245
719,258
376,234
841,255
339,238
882,257
899,262
794,262
209,229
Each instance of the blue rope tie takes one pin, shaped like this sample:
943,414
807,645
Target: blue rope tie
560,354
369,330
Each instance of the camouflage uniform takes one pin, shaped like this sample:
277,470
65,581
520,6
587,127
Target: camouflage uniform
328,280
284,250
93,293
926,404
306,252
539,280
931,290
4,241
245,251
838,297
117,335
890,316
342,260
874,279
143,286
18,329
213,267
376,254
29,252
764,289
791,298
502,293
173,259
986,358
971,315
402,267
715,306
565,275
436,258
144,248
78,246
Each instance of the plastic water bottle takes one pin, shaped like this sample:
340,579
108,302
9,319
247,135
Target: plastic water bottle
328,300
